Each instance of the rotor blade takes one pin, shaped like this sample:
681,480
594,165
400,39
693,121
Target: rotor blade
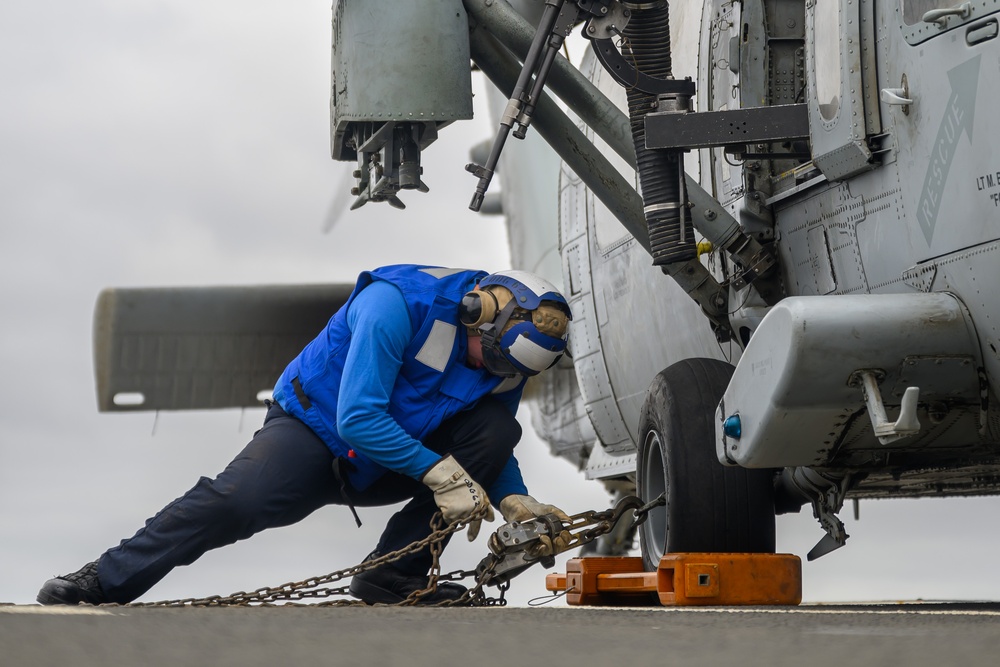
342,197
202,347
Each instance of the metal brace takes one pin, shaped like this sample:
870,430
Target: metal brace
557,22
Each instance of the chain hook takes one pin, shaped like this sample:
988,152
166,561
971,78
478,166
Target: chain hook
640,514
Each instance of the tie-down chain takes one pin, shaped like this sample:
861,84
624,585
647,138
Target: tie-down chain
514,547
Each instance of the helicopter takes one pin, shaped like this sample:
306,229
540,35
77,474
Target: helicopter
776,222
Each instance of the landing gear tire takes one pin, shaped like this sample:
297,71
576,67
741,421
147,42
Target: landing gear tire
710,507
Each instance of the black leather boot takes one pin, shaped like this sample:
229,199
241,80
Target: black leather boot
81,586
388,585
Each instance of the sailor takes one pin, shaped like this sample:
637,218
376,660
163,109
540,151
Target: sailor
408,394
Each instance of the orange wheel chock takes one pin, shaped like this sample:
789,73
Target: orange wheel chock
682,579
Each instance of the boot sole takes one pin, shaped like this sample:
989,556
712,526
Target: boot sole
46,599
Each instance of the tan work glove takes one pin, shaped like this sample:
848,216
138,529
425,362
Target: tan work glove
524,508
457,494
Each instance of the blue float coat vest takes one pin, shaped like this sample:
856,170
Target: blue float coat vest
433,383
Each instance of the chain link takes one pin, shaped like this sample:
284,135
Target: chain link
583,528
603,522
318,587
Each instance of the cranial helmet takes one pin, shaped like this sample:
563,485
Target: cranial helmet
522,319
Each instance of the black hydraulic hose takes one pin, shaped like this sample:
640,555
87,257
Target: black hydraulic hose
647,42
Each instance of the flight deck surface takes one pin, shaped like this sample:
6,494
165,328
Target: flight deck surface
911,634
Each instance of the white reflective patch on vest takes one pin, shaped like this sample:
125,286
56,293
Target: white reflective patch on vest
508,384
441,273
436,350
531,354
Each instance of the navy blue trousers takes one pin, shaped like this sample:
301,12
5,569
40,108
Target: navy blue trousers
284,474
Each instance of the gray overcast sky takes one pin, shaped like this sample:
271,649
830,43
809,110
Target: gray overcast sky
185,143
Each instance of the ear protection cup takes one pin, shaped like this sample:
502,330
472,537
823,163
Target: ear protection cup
550,320
477,308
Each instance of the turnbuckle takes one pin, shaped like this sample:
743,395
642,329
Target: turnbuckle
516,546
